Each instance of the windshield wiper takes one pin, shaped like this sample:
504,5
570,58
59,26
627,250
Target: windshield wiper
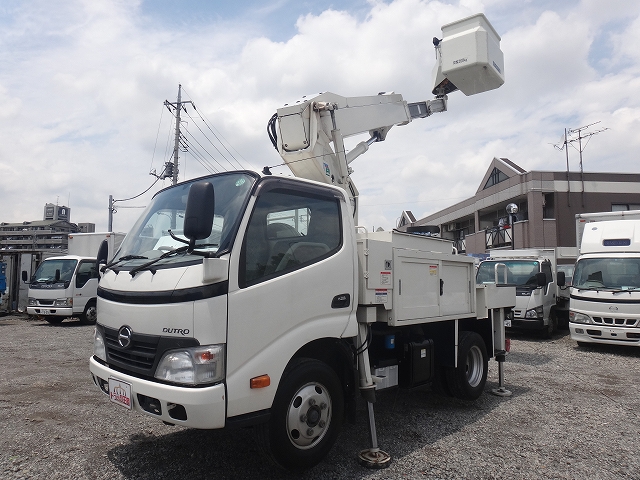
626,289
122,259
144,266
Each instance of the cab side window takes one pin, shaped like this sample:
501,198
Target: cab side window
287,231
86,271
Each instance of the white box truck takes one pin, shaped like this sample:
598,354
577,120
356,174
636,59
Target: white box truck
251,299
66,286
533,272
605,294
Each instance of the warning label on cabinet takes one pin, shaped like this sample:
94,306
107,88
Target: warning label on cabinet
385,278
381,296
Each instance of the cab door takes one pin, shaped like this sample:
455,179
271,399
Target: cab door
292,283
85,284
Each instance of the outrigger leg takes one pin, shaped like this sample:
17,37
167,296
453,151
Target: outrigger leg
499,337
371,457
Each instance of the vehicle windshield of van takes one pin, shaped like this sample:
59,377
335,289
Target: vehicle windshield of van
154,234
46,271
518,272
568,273
617,274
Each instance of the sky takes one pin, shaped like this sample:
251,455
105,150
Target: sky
83,85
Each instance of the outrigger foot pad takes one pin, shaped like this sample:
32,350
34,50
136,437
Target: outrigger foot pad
501,392
374,458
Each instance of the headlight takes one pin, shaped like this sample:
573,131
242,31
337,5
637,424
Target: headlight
576,317
63,302
32,302
537,312
99,349
192,366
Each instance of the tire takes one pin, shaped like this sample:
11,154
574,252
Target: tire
53,320
550,329
306,416
467,380
89,315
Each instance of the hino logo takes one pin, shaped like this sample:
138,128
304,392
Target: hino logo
124,336
180,331
613,308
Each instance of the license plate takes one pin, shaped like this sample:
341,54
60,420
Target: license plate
507,323
45,312
120,392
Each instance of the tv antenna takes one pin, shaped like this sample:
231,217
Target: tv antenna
580,148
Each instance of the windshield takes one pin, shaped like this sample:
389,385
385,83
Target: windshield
568,273
46,271
519,272
607,273
151,236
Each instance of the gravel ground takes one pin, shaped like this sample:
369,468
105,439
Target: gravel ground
573,414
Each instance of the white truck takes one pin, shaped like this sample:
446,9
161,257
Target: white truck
537,281
66,286
605,294
250,299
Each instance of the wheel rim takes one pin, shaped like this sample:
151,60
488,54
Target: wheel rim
309,415
475,366
92,314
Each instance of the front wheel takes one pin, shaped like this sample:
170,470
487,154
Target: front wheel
89,315
306,416
467,380
550,329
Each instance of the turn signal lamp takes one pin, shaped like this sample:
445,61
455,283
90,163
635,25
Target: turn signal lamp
260,382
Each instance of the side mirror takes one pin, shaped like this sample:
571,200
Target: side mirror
102,257
25,276
198,217
561,281
541,278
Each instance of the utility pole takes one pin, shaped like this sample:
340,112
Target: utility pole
110,213
178,106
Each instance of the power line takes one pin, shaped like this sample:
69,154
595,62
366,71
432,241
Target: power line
212,128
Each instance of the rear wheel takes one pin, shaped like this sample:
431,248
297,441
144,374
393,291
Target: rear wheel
306,416
467,380
89,315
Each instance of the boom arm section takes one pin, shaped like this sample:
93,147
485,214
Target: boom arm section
309,135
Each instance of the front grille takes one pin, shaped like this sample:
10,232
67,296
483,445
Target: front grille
616,322
45,302
140,354
141,357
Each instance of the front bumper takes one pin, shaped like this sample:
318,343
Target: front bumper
57,311
527,323
590,333
203,408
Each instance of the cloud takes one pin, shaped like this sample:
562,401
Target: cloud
83,85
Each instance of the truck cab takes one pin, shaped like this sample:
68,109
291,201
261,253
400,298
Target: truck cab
605,294
532,273
63,287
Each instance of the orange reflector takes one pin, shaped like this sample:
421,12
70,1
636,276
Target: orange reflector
260,382
507,344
